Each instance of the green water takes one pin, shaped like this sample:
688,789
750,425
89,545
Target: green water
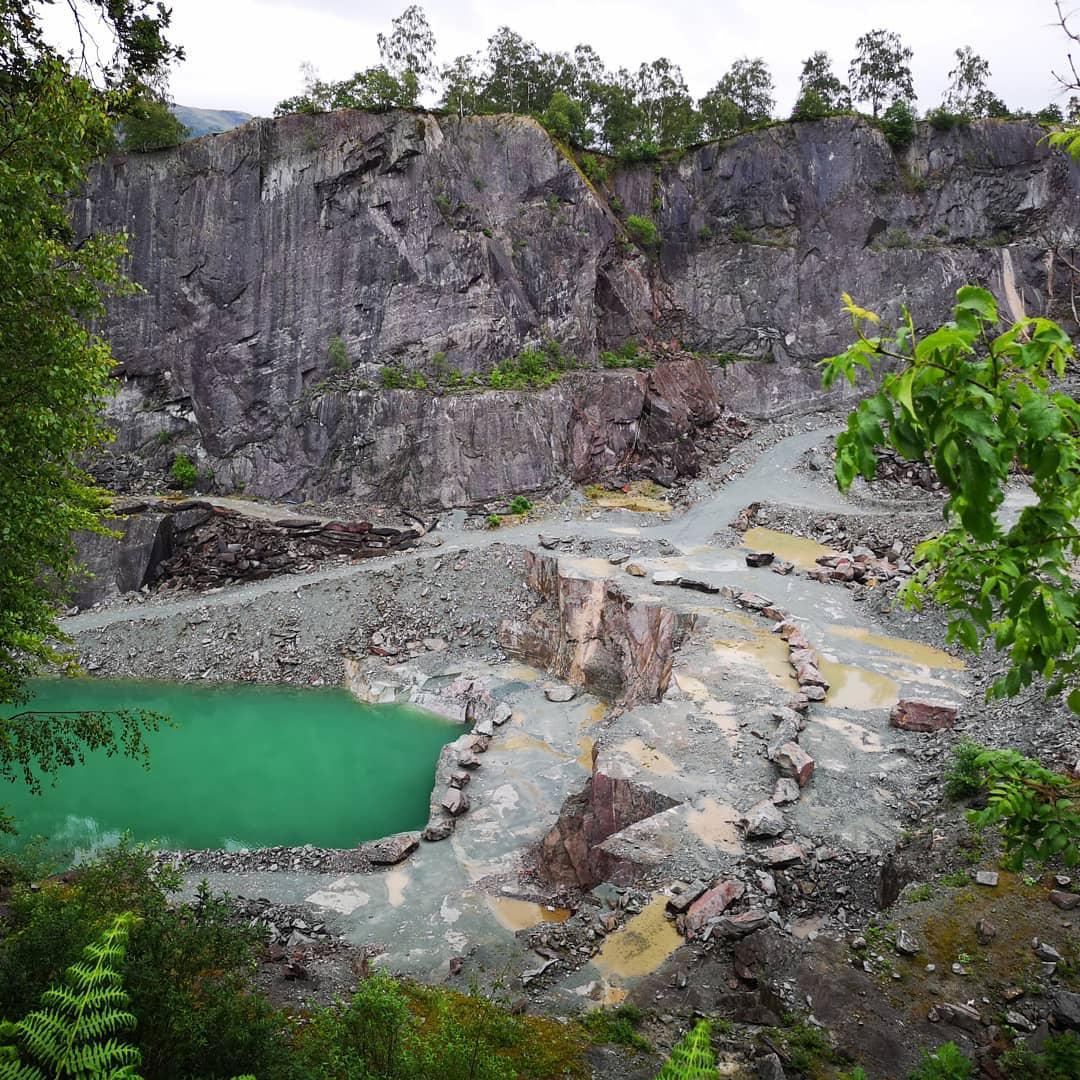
244,767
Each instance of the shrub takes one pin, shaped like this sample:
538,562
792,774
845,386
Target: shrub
520,505
642,231
616,205
184,473
740,234
810,106
594,169
493,521
941,119
963,777
1059,1059
392,377
337,354
898,125
895,239
627,355
947,1062
704,234
617,1025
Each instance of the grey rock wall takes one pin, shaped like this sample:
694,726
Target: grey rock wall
408,236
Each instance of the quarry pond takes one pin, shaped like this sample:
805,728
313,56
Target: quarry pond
239,767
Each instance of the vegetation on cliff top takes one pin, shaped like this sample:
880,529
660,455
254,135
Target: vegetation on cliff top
633,115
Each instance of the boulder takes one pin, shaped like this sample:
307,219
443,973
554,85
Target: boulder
438,829
792,760
560,693
759,558
392,849
783,855
786,791
455,802
666,577
114,565
711,904
916,714
763,820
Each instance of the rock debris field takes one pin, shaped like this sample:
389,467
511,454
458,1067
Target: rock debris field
700,754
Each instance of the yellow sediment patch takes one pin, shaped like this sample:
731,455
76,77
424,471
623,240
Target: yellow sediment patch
520,673
642,945
396,882
858,688
522,740
586,746
797,549
689,685
595,714
860,737
647,757
722,714
716,823
923,655
766,650
640,498
521,914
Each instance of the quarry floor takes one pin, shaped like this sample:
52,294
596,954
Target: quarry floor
472,907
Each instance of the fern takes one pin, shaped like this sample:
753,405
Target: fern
691,1057
74,1033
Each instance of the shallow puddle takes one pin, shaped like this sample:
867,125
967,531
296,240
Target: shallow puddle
642,945
766,650
396,882
797,549
722,714
689,685
716,823
647,757
858,688
521,914
923,655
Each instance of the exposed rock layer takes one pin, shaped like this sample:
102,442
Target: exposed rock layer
408,235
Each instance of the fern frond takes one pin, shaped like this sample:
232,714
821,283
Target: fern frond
74,1033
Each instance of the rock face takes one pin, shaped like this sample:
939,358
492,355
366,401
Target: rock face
588,632
420,241
121,563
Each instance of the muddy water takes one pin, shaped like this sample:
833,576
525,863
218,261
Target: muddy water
765,650
716,823
648,757
797,549
923,655
858,688
521,914
642,945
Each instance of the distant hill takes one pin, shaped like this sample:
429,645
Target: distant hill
208,121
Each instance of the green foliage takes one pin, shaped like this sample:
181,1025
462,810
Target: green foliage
964,777
740,234
743,97
942,119
895,239
618,1025
1050,115
1059,1059
642,231
392,377
184,472
54,367
806,1046
691,1057
519,505
493,521
881,70
1038,810
821,87
565,119
75,1031
149,125
627,355
337,354
594,169
531,369
704,234
810,106
947,1062
973,398
968,95
898,125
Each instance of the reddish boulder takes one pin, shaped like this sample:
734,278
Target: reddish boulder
912,714
792,760
712,904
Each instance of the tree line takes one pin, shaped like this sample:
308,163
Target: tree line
636,114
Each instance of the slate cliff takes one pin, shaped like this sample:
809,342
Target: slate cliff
409,235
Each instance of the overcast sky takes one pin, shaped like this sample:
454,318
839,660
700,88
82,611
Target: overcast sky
246,54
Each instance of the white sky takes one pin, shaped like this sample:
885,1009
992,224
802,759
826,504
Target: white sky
246,54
